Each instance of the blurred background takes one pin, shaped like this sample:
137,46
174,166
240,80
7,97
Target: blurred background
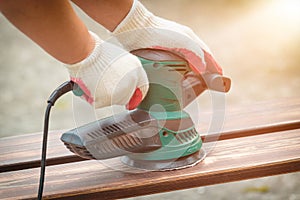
257,42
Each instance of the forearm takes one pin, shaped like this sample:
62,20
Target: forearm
53,25
108,13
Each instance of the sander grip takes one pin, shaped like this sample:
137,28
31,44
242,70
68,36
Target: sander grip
217,82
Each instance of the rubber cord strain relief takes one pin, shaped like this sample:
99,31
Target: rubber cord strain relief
61,90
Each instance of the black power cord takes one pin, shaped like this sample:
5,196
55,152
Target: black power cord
62,89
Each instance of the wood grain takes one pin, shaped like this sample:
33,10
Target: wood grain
23,152
231,160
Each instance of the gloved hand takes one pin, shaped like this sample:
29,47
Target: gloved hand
110,76
141,29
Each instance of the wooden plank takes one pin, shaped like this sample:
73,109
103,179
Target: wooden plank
231,160
251,131
257,118
23,152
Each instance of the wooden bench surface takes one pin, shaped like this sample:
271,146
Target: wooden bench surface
257,140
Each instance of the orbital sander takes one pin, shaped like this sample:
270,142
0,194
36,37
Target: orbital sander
158,134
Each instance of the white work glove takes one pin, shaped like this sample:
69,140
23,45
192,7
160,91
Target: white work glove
110,76
141,29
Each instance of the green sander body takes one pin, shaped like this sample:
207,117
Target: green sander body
159,134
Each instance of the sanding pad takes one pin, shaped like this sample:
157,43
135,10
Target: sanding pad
165,165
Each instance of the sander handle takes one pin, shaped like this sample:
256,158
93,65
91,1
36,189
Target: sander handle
217,82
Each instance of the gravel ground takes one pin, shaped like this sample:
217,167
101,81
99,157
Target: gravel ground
257,42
